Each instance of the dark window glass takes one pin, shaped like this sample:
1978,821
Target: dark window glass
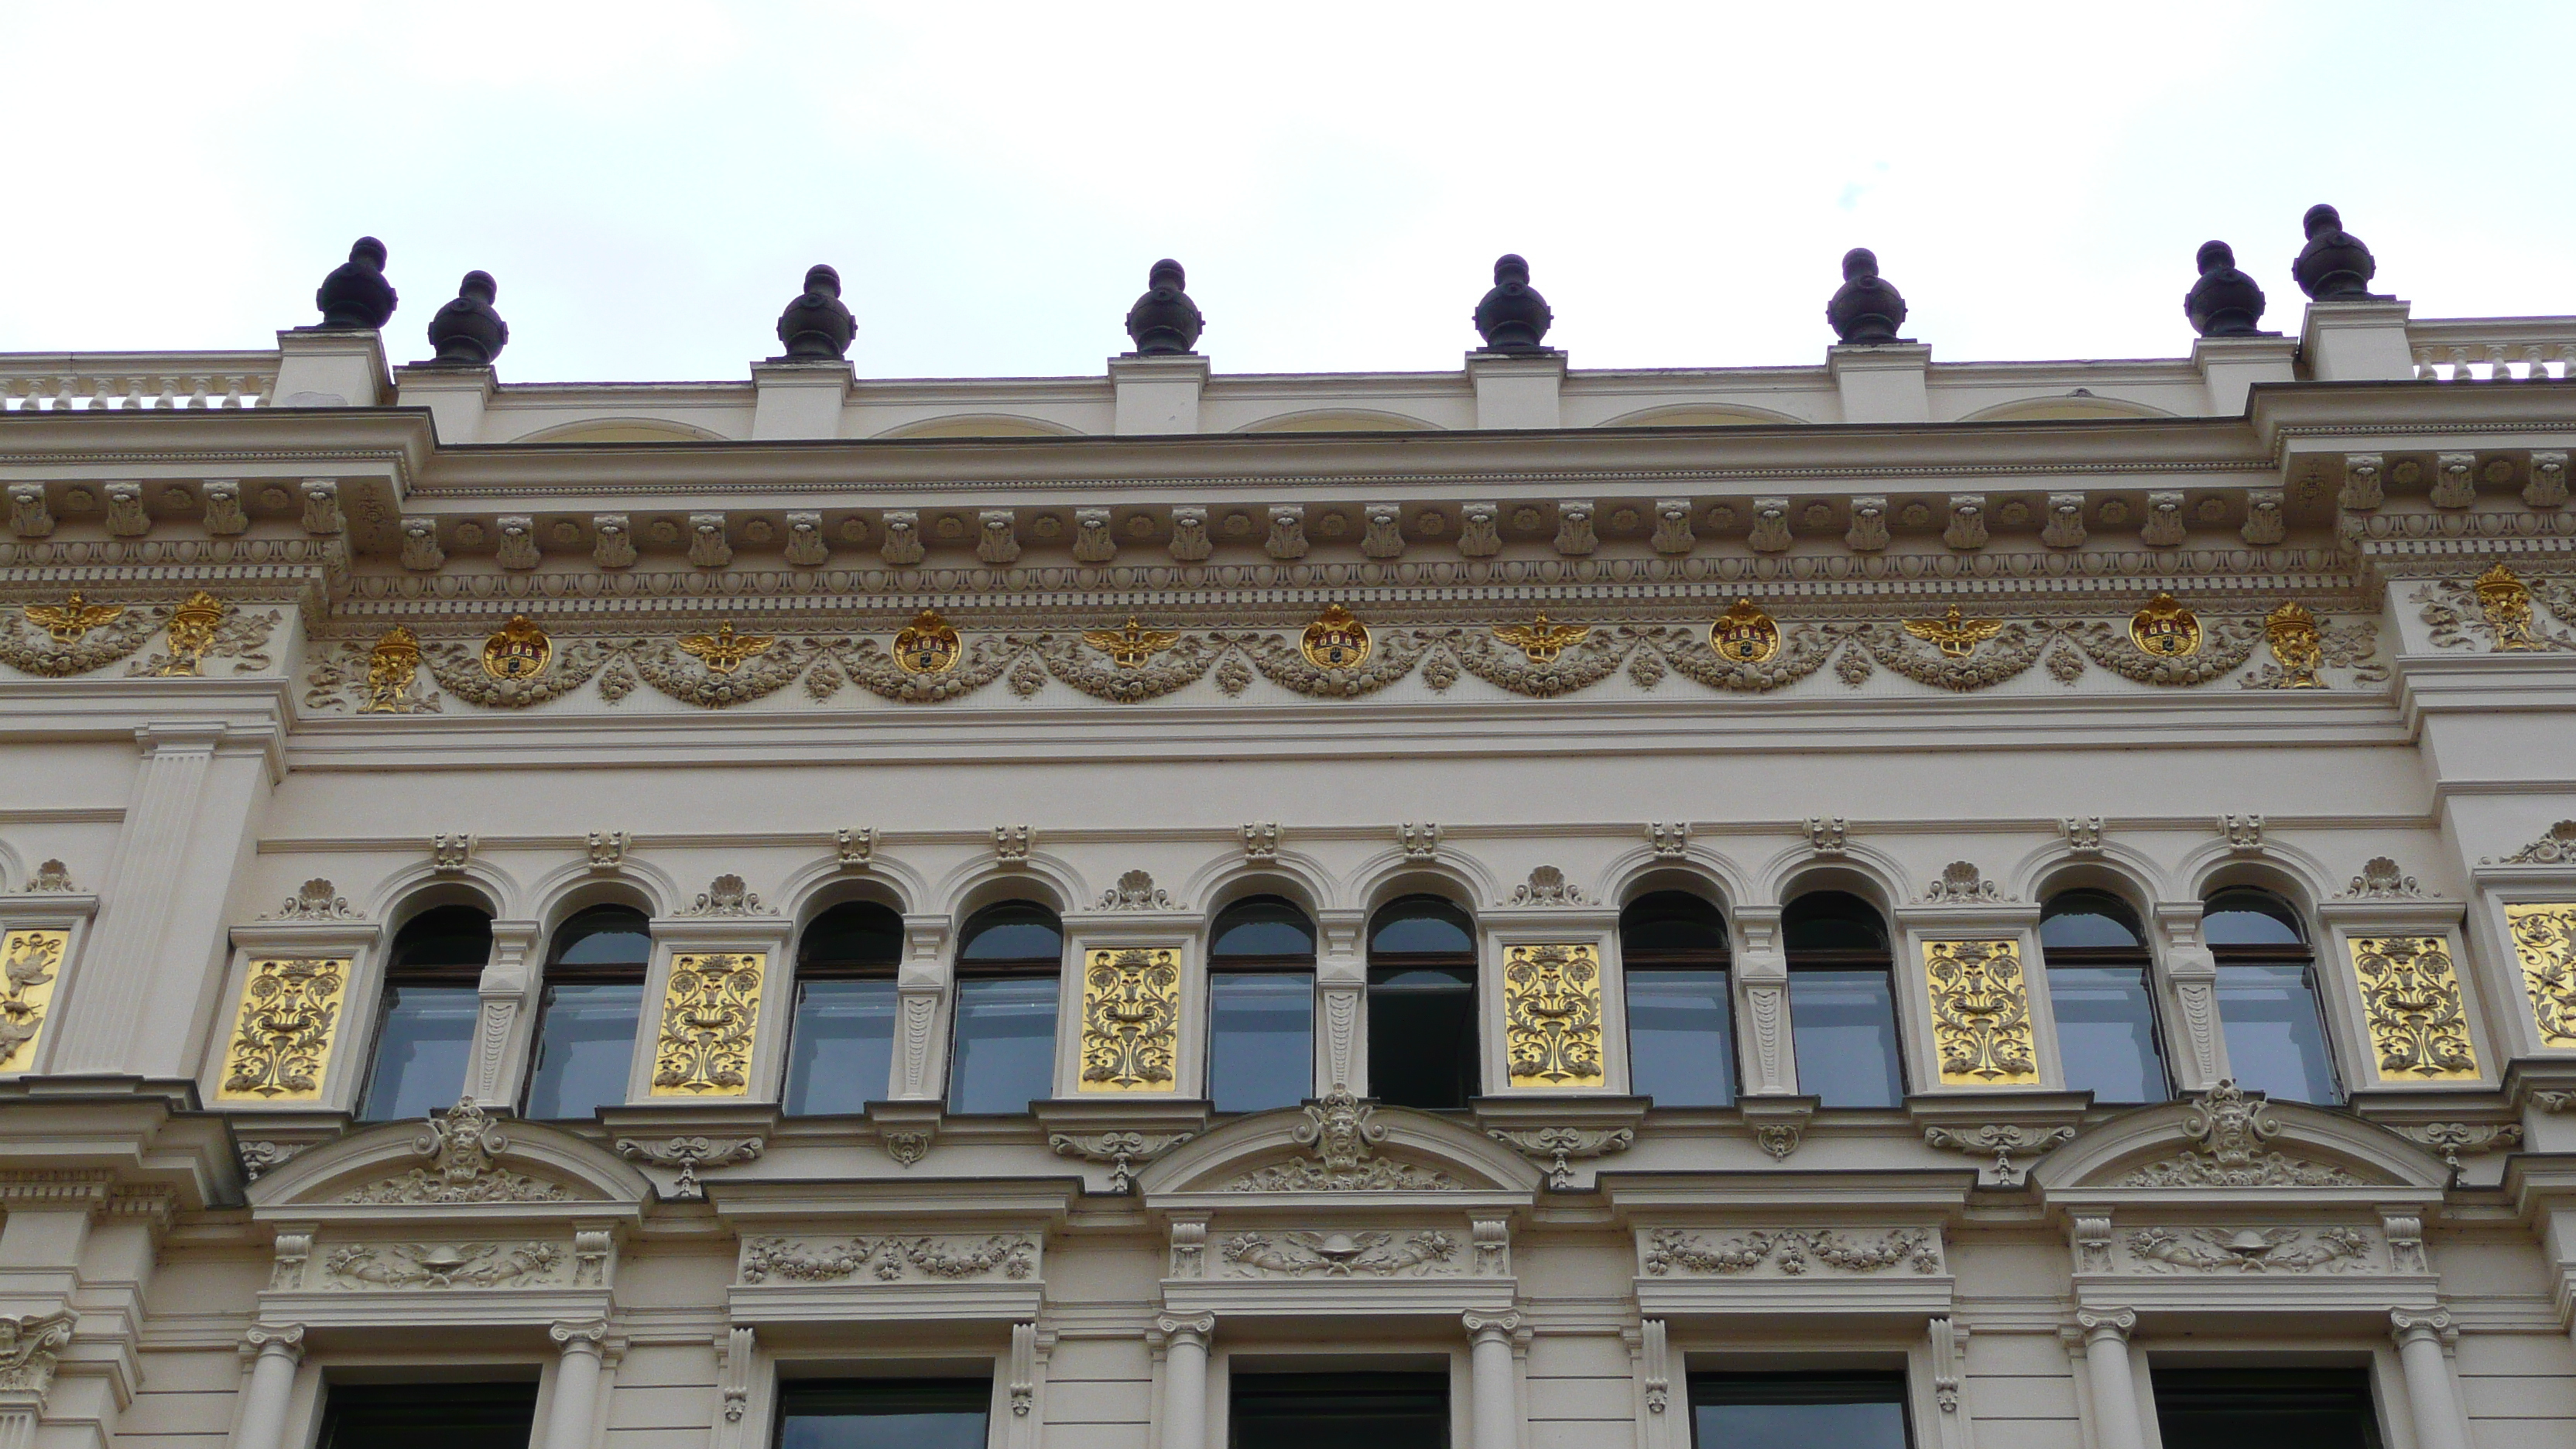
427,1416
883,1413
426,1028
2097,986
1842,1001
2266,1408
1010,962
1681,1019
2268,1006
1422,1005
1261,1006
1799,1411
594,998
840,1043
1342,1411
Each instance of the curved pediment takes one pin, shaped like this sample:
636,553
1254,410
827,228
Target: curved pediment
460,1157
1340,1144
2226,1139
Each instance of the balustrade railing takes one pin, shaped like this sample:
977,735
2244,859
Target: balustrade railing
64,382
2493,349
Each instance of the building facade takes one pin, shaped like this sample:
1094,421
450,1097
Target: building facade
2001,905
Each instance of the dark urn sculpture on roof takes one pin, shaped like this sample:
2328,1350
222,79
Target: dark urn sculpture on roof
356,297
1865,310
816,326
467,332
1165,322
2224,302
1513,316
2334,266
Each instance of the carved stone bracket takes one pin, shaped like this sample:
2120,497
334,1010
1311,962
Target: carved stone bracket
1779,1123
2002,1140
1261,841
1125,1152
2453,1138
854,849
688,1154
1559,1147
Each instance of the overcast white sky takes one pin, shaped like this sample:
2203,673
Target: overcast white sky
649,181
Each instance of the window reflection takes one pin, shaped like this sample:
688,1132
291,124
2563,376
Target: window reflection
1261,1006
594,998
1010,962
425,1031
2268,1005
1842,1001
2097,966
840,1042
1422,1005
1681,1019
1799,1410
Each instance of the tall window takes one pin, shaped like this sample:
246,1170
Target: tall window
1344,1410
594,998
1798,1410
840,1043
904,1413
426,1030
1681,1023
427,1416
2266,1408
1422,1004
2097,984
2267,997
1261,1006
1842,1001
1010,962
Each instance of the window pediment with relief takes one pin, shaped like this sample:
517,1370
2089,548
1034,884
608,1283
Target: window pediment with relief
2227,1140
1339,1146
460,1158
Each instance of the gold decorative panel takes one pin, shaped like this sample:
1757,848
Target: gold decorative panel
2544,937
283,1036
709,1011
1980,1013
1131,1014
33,962
2410,994
1552,1015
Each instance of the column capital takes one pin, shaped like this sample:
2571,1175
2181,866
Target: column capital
1491,1327
582,1336
1186,1328
2407,1326
2112,1325
283,1340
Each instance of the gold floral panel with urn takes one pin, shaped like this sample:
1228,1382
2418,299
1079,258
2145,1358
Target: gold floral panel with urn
286,1029
1131,1019
1552,1015
2410,997
710,1010
1980,1000
2544,940
33,962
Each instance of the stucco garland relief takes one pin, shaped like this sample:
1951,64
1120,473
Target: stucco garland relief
1131,1001
2495,608
2248,1250
285,1029
2544,942
2228,1132
1372,1254
352,676
31,963
1981,1026
709,1011
203,627
1552,1015
464,1144
56,640
1787,1253
894,1259
446,1265
2410,995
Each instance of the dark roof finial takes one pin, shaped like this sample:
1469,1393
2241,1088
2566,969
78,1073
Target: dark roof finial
467,332
2224,302
356,297
1165,322
1513,317
2334,266
816,325
1865,310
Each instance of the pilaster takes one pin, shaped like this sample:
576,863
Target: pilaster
1157,394
318,369
2357,341
455,397
1886,383
799,399
1517,389
2231,366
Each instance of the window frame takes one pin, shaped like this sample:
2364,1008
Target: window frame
803,972
2305,954
395,976
2141,956
559,973
1258,964
1881,959
1469,960
1011,968
1634,963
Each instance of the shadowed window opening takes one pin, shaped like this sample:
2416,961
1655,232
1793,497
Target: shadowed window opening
2099,991
594,998
1422,1005
840,1042
425,1030
1842,1001
1010,967
1681,1017
2269,1008
1261,1006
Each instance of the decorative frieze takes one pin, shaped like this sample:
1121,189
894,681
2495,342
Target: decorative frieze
2544,943
1131,1001
1980,1012
1787,1252
2453,1138
31,965
2002,1140
2410,996
2249,1250
431,1266
932,1258
1368,1254
1552,1015
285,1029
710,1012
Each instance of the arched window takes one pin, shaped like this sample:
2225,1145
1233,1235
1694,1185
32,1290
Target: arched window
1681,1021
1010,962
840,1042
1422,1004
594,998
1261,1006
2267,997
2097,985
1842,1001
425,1031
